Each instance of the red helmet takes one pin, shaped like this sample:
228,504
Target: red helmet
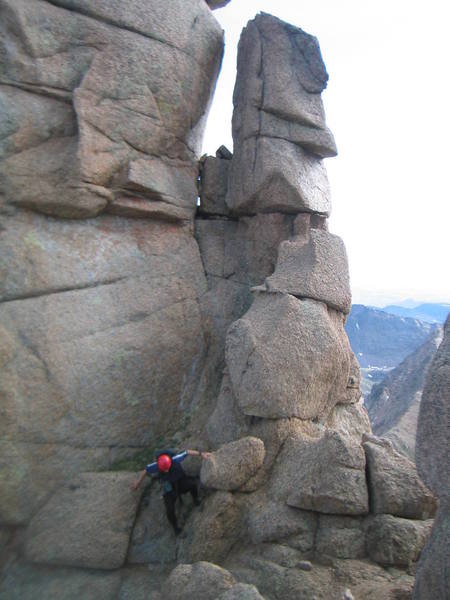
164,462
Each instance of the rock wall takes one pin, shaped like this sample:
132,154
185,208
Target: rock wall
102,339
125,322
433,465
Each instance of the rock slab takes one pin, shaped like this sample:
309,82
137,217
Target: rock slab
86,524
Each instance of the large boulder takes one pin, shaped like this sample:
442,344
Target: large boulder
87,523
395,488
233,464
395,541
201,580
119,82
324,473
317,269
288,358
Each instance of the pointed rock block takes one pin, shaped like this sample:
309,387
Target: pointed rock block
233,464
278,88
287,358
394,541
85,524
271,521
273,175
325,474
317,269
395,487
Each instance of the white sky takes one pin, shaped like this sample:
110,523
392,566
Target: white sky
387,103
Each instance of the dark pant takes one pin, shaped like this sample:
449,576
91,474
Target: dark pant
182,486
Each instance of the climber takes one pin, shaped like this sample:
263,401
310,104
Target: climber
174,480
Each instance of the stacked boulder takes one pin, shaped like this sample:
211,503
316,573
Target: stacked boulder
320,486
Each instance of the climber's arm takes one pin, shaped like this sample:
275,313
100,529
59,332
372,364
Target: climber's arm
197,453
137,483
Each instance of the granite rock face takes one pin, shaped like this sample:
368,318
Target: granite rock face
115,84
432,575
201,580
104,107
94,317
341,537
214,530
143,328
86,524
432,462
395,487
432,458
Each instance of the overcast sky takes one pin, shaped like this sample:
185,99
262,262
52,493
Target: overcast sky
387,103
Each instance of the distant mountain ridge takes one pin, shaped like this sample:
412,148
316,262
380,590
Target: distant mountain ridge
428,312
393,405
380,339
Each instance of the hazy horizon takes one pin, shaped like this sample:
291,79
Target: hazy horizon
388,110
